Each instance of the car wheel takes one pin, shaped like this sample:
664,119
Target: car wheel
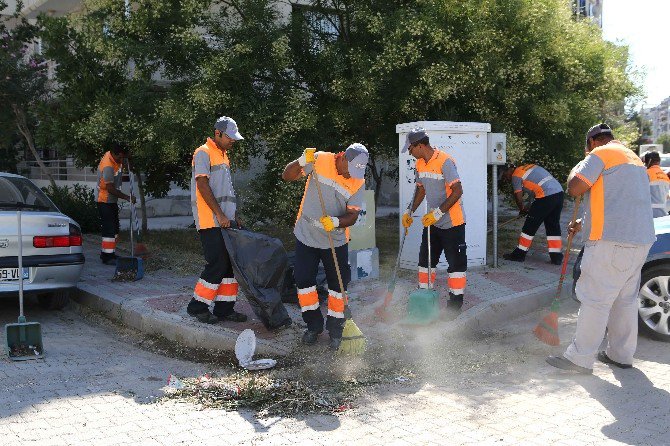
654,302
55,300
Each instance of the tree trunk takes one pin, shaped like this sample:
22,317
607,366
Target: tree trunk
22,124
377,176
143,203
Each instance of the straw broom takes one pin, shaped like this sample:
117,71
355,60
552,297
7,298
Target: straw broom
547,330
353,341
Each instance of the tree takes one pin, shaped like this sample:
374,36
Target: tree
22,81
337,72
665,140
525,66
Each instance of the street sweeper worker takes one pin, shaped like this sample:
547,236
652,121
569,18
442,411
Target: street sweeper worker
214,207
437,180
659,184
546,208
341,178
618,230
107,194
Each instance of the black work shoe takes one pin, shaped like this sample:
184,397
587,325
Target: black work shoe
109,259
205,317
561,362
310,337
334,343
556,258
518,255
455,302
602,357
234,317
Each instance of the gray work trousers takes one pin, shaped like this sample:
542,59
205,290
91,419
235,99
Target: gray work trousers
608,291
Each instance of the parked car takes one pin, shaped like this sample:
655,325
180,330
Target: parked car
665,163
654,297
52,244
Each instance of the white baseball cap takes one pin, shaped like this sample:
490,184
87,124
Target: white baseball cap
229,127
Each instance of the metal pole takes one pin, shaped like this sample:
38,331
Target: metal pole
494,203
20,240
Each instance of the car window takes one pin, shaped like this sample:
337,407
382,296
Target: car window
665,161
17,190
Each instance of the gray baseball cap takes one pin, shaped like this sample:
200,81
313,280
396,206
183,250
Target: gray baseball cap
357,157
412,137
229,127
597,130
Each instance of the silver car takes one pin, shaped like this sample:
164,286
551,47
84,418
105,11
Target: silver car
52,244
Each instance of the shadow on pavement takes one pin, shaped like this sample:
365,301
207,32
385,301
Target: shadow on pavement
646,414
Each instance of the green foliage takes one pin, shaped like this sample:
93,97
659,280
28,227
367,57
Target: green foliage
78,203
335,72
665,140
22,84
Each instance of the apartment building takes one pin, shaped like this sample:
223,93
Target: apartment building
590,9
658,117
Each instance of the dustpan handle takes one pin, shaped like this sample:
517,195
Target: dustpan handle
20,241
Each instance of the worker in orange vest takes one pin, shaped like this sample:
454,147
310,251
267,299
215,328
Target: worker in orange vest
214,207
437,181
107,194
659,184
341,179
546,208
618,229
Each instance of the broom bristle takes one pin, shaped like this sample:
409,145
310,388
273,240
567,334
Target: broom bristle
547,330
353,341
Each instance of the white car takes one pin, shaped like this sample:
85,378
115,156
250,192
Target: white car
52,244
665,163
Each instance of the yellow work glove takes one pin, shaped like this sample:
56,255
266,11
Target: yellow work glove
407,221
432,217
307,157
329,223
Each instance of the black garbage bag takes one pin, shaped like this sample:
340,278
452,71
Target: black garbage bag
260,264
289,293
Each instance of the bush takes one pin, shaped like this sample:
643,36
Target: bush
78,203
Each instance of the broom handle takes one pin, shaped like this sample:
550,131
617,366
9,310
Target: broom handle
430,258
402,243
132,210
564,268
330,239
500,225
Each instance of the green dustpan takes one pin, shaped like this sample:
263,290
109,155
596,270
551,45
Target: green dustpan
423,306
24,339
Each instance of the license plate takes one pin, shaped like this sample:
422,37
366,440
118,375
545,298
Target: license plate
9,274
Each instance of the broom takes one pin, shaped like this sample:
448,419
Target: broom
547,330
381,311
353,341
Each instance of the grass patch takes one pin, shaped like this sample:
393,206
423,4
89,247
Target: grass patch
179,250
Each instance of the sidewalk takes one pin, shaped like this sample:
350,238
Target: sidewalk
157,303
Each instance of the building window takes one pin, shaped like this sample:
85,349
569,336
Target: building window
320,26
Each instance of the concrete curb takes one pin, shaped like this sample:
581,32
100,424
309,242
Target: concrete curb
483,317
170,326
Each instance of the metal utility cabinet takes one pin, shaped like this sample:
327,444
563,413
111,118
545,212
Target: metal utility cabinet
467,142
